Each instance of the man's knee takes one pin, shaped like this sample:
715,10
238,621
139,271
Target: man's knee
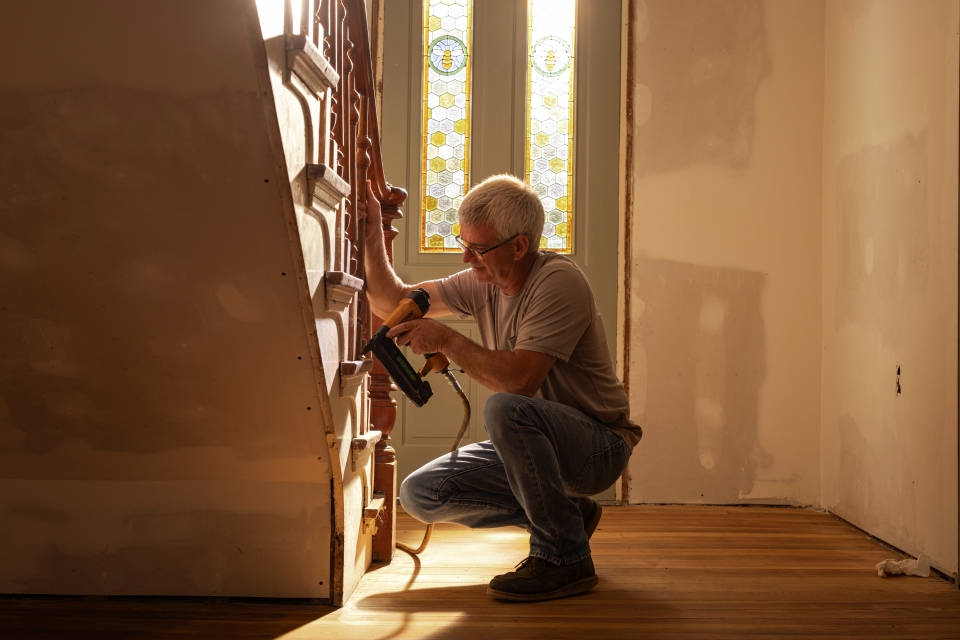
416,498
499,412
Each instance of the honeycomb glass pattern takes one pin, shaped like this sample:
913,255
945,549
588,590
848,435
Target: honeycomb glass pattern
446,121
550,91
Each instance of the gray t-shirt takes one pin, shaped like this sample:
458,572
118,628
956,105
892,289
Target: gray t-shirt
554,313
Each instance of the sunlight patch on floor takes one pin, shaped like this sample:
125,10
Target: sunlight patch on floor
376,624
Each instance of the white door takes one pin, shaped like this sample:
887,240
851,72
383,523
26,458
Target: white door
498,126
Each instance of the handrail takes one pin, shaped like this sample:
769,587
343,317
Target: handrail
382,188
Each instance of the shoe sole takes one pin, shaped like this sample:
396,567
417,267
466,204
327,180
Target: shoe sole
591,526
572,589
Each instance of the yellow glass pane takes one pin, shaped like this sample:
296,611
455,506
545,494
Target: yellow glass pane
447,42
549,102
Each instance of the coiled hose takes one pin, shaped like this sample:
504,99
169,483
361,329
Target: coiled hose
456,445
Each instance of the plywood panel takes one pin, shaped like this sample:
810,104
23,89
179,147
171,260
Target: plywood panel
160,423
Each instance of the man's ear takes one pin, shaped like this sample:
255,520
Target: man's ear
523,246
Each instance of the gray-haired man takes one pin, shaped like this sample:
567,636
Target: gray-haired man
559,422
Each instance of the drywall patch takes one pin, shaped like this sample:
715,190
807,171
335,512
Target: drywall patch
708,409
869,486
701,337
882,237
236,304
701,64
858,460
891,336
642,17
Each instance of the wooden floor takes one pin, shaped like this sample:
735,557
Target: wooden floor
665,572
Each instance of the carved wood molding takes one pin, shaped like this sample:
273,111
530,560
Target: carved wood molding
325,185
305,60
362,446
371,513
372,510
355,368
341,288
352,373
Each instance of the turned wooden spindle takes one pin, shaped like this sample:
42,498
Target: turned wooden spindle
355,138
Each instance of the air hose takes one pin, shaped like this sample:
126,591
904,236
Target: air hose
456,445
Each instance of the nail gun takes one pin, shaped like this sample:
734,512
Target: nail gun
411,382
408,379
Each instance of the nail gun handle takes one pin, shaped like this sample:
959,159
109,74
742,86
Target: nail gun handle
435,362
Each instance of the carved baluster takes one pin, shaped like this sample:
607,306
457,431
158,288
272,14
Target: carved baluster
350,160
319,28
333,44
354,154
360,190
328,21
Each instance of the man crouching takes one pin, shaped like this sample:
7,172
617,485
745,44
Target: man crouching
559,420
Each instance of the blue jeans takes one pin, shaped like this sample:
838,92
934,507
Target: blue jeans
541,457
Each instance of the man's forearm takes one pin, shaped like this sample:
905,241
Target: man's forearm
496,370
384,287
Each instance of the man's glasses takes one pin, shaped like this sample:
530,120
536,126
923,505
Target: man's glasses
478,253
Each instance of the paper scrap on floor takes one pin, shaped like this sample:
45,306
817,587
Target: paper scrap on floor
908,567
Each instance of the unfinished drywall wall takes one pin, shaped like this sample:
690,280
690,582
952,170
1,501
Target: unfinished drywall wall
160,432
890,271
725,287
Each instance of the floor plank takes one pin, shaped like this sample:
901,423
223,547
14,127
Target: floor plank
665,572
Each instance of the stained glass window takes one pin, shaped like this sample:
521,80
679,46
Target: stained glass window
550,91
446,120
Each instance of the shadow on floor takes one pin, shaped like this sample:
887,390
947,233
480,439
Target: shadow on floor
43,618
468,612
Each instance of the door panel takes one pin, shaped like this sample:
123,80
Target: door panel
499,66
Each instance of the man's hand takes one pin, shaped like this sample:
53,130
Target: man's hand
423,336
520,371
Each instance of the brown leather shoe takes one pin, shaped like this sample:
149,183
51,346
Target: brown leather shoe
591,511
536,579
